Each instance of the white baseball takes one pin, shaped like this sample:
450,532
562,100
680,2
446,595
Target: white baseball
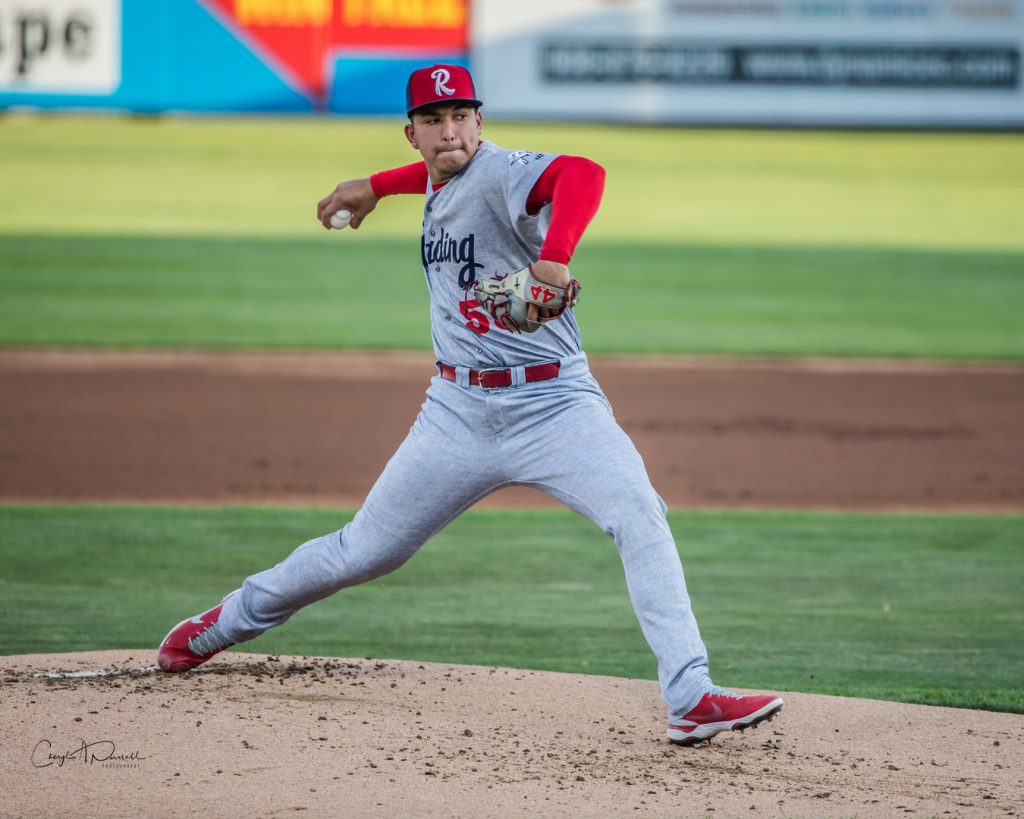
341,219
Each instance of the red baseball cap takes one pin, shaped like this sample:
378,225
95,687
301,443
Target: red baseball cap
439,83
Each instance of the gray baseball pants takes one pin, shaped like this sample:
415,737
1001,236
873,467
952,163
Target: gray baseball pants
559,436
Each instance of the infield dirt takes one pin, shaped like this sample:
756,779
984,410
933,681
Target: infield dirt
318,428
253,735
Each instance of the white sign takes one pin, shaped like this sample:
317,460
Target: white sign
60,46
797,62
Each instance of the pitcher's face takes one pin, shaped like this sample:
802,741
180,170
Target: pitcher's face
446,135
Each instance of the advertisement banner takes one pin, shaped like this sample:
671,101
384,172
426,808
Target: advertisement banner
350,56
913,63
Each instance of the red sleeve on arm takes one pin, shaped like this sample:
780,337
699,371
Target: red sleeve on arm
407,179
573,185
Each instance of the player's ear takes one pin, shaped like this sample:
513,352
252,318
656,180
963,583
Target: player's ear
410,135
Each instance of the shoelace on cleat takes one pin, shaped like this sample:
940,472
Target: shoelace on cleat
208,641
723,692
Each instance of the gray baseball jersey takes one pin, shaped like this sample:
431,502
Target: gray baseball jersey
476,227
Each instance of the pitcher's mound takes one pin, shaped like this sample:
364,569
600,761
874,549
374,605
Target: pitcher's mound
258,735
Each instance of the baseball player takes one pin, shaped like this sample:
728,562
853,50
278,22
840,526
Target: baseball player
513,402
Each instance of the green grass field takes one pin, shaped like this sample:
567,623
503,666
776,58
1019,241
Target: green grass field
201,233
912,608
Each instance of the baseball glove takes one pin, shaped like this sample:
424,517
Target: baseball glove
508,299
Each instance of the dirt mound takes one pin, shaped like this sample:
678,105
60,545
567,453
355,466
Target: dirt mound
255,735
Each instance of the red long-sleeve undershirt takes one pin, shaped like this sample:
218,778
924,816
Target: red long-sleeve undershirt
571,184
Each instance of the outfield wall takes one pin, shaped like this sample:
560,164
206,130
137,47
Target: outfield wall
884,63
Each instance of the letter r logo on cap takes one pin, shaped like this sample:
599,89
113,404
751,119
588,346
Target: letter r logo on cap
438,83
440,77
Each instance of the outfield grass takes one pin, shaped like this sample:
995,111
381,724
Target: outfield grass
263,177
225,293
910,608
200,232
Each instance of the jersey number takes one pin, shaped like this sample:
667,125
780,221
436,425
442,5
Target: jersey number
477,320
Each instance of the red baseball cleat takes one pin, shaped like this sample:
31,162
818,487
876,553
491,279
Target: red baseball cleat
194,641
721,710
